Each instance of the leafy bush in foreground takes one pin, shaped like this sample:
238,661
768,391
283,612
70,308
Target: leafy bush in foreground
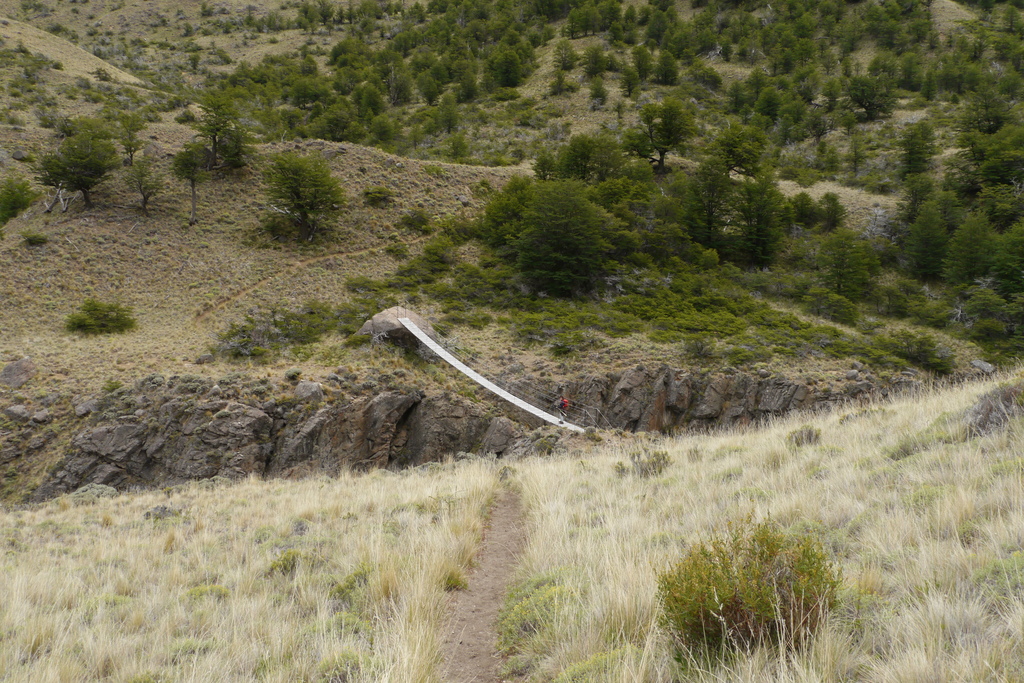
96,317
754,585
16,195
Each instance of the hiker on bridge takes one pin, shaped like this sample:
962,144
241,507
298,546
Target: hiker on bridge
563,407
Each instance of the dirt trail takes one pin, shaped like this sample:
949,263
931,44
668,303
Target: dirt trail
471,635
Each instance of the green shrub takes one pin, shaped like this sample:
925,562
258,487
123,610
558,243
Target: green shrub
600,667
213,592
16,195
286,563
529,609
416,220
96,317
33,238
753,585
920,349
345,667
346,592
1002,578
804,436
644,464
378,196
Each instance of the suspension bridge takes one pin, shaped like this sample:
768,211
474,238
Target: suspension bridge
532,400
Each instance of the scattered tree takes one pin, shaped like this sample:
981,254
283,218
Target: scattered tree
143,178
190,165
302,189
663,128
82,162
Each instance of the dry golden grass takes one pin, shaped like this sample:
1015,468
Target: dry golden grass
948,16
925,524
920,519
76,61
185,284
95,590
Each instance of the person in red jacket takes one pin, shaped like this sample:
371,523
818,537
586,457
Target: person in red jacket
563,407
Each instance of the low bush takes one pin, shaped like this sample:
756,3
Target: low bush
804,436
96,317
378,196
529,609
644,464
33,238
754,585
16,195
920,349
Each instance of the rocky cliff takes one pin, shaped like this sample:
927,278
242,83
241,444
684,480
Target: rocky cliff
167,431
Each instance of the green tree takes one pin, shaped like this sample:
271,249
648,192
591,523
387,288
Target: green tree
630,81
985,110
926,242
446,116
190,165
741,148
706,199
143,178
643,62
917,145
302,189
565,55
82,162
561,248
96,317
129,125
872,96
506,68
218,120
970,251
663,128
666,71
831,211
589,157
758,207
847,263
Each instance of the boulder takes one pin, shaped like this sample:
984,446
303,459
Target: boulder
19,155
500,436
385,325
204,359
981,365
994,410
41,417
87,407
18,373
309,392
17,413
852,375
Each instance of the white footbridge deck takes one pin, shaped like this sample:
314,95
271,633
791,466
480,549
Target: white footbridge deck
442,353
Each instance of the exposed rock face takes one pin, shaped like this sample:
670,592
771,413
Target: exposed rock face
164,433
660,399
17,374
179,438
385,325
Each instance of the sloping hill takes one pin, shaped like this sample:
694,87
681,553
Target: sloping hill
75,61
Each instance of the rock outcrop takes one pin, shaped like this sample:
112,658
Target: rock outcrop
385,325
18,373
164,432
180,438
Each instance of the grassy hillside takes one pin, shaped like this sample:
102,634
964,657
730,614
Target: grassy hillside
922,520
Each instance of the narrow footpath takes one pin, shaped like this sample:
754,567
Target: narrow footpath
471,635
